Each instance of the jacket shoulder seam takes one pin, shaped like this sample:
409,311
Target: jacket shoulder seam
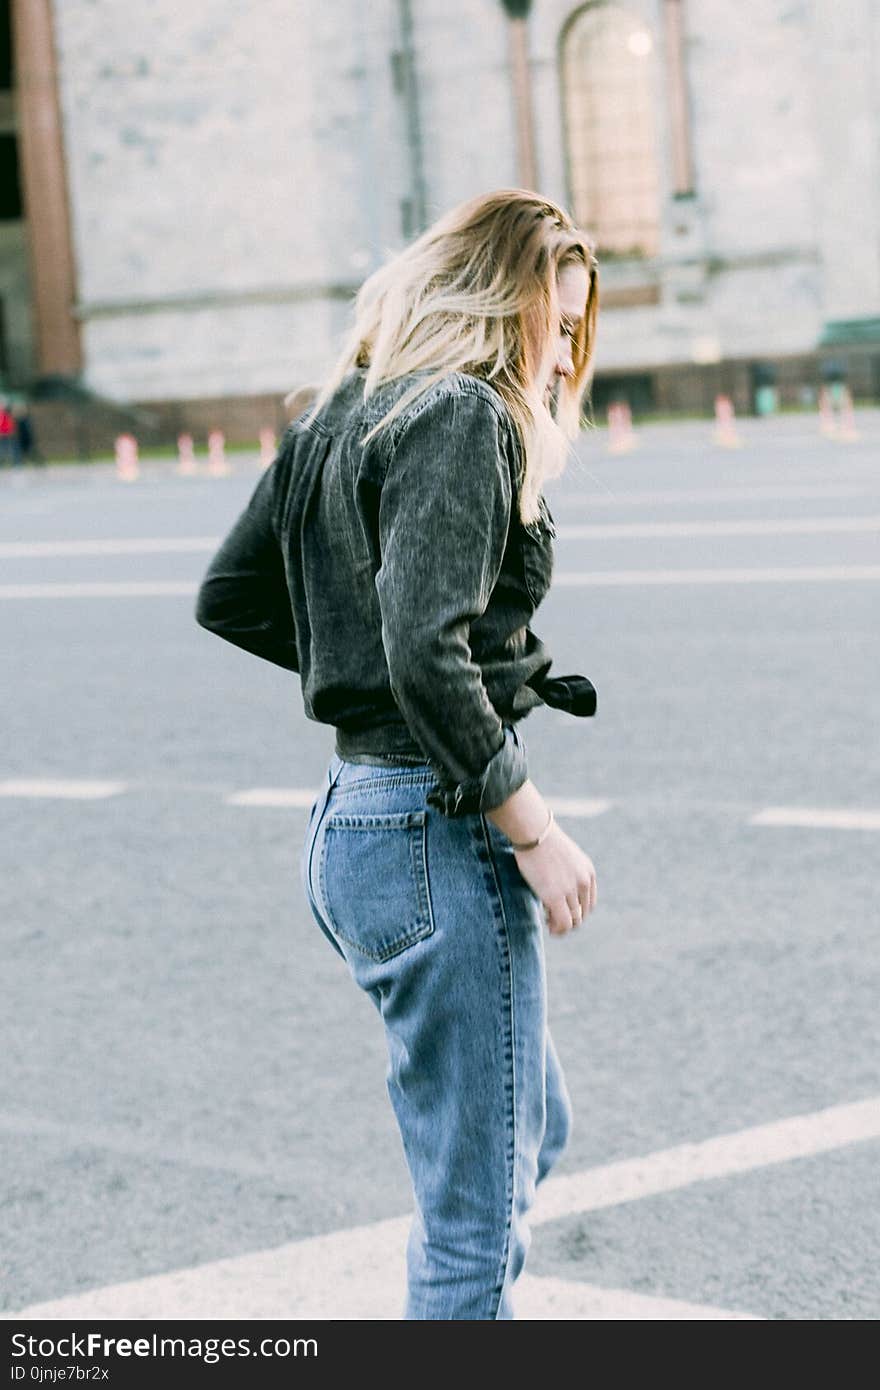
456,384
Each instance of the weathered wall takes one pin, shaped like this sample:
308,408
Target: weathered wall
236,169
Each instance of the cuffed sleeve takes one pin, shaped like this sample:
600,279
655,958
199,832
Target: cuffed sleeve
504,772
444,514
244,596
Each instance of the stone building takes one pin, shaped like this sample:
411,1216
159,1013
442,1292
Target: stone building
190,194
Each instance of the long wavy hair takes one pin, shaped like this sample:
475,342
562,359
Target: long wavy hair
477,293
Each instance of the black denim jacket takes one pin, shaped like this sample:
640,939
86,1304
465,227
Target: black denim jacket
398,580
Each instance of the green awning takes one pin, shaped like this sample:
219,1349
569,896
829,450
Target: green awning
850,331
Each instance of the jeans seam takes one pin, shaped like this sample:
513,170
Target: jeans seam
314,827
329,784
313,834
510,1045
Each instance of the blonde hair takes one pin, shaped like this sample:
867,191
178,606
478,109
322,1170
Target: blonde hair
476,293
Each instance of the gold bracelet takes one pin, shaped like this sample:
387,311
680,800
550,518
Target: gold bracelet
533,844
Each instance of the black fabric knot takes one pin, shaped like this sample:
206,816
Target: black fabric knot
573,694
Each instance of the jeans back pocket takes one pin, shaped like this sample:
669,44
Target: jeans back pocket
374,880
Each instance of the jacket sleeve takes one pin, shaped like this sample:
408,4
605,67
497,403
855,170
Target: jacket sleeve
244,596
444,513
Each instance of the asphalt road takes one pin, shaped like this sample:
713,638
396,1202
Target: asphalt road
189,1073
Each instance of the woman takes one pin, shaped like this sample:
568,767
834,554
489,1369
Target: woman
393,554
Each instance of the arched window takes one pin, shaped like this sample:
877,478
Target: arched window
609,93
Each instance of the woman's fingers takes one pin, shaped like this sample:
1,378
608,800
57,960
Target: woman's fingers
590,890
559,917
563,914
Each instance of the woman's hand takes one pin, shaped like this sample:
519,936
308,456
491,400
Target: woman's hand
562,876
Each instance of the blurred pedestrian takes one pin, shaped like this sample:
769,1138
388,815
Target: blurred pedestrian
27,445
393,553
9,448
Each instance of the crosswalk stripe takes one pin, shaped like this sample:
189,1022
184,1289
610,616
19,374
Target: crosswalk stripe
568,578
761,526
674,496
357,1275
132,545
304,797
795,574
791,526
359,1272
134,588
577,806
816,817
301,797
799,1136
64,789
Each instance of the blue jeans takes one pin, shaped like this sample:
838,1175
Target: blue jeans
441,930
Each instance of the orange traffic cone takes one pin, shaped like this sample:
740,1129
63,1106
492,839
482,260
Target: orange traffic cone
217,464
267,447
848,429
726,433
186,454
827,422
620,431
127,458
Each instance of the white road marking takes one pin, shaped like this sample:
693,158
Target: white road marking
148,588
274,796
673,496
790,575
149,545
66,789
158,545
577,806
303,797
800,1136
791,526
359,1273
570,579
818,818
